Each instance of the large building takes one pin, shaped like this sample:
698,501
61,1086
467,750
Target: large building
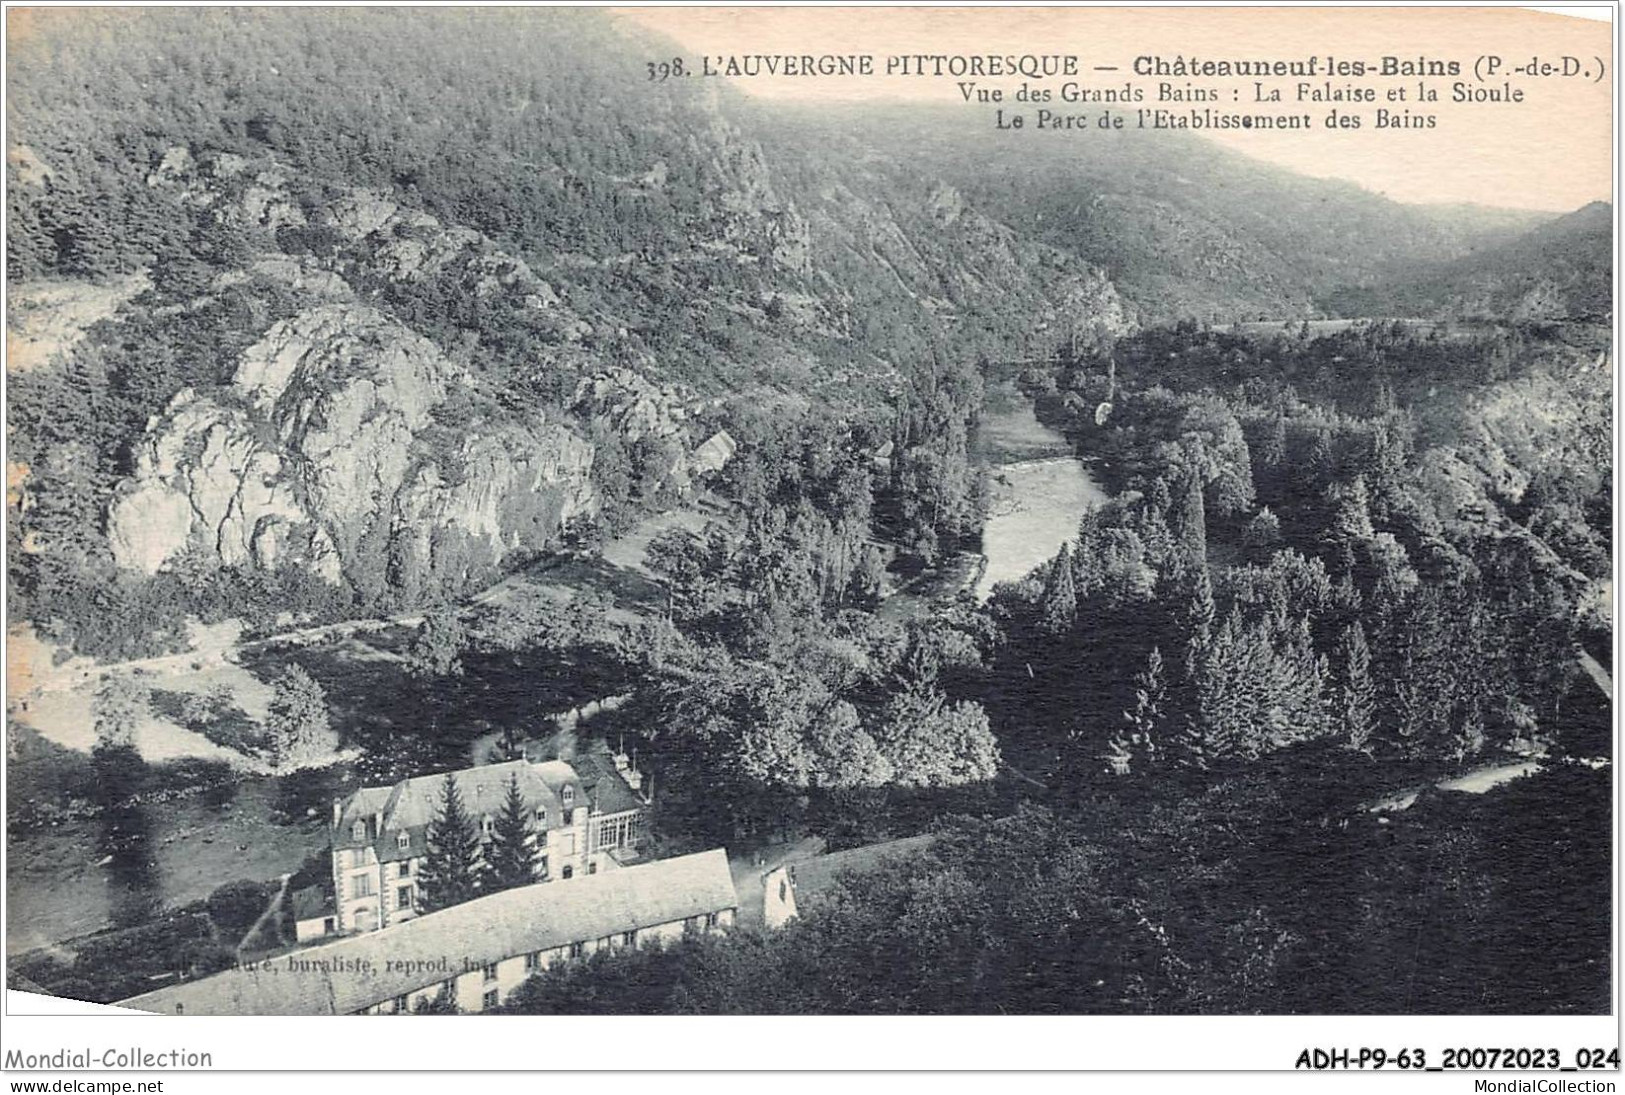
586,815
473,954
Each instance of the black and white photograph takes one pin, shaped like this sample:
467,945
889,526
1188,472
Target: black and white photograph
804,511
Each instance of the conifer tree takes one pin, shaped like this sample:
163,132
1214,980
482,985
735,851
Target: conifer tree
1190,745
1351,512
1190,521
1272,449
1060,605
1226,708
1138,744
1356,700
1159,499
452,869
512,858
1321,467
1200,612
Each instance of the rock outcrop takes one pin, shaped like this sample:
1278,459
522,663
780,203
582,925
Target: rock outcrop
636,409
352,448
47,319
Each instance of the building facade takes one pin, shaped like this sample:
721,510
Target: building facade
473,955
585,816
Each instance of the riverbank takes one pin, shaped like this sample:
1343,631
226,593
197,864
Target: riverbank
1038,489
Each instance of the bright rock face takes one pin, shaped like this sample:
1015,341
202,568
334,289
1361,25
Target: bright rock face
326,453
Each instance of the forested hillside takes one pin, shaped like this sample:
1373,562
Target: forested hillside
198,200
582,388
216,244
1183,228
1556,272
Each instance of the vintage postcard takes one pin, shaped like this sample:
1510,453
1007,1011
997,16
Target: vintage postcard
1078,512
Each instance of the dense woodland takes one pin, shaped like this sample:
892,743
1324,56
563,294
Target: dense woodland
1281,617
1241,899
1334,567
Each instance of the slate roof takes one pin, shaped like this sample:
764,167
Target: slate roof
410,805
821,873
311,902
350,975
606,788
558,775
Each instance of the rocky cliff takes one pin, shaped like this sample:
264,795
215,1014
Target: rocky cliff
346,444
332,451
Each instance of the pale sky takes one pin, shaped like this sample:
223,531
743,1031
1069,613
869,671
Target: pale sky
1552,151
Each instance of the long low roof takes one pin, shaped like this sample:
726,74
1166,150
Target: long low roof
820,874
355,973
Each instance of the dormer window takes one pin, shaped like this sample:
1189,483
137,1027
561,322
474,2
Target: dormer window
403,841
486,824
541,816
569,794
358,831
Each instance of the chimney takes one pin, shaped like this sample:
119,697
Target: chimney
338,813
378,824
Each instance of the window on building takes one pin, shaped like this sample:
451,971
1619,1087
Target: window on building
358,831
401,1005
614,832
569,794
541,866
405,869
491,999
629,939
490,971
533,960
568,870
361,885
592,868
486,824
577,949
358,857
541,816
403,840
403,897
710,920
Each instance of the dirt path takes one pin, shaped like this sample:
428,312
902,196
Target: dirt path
1474,782
273,909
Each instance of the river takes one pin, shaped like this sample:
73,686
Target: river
1039,490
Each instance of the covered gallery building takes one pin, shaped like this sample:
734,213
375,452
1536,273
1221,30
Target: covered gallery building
475,953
